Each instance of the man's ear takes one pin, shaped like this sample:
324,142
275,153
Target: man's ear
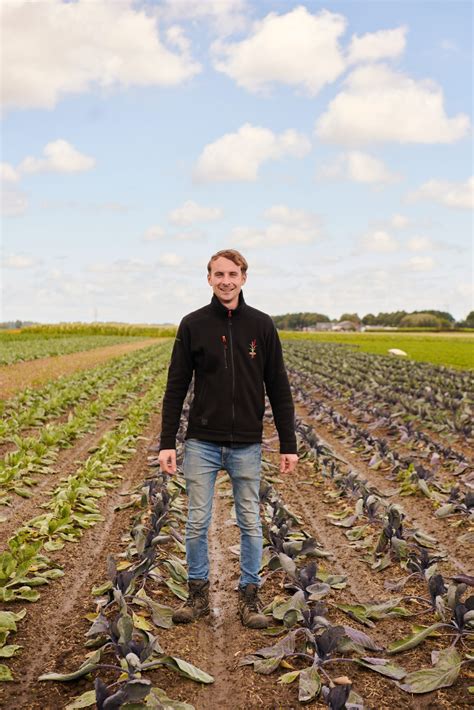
209,278
244,277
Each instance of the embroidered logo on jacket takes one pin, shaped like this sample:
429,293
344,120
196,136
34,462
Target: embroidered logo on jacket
253,348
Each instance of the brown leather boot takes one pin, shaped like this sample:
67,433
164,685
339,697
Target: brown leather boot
249,610
197,603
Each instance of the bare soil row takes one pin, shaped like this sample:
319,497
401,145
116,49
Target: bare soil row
35,373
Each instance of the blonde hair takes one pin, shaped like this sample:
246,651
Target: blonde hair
232,255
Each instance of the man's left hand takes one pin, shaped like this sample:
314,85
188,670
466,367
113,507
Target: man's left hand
288,462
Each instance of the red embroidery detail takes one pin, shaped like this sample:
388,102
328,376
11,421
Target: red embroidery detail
253,348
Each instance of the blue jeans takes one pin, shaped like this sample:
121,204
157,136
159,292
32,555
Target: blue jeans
202,462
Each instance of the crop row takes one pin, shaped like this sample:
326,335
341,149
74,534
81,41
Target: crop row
34,407
440,398
314,394
37,454
72,508
447,497
18,348
127,619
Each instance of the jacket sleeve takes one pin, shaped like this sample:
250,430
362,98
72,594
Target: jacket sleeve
279,393
180,373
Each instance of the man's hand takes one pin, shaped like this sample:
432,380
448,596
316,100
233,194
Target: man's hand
167,459
288,462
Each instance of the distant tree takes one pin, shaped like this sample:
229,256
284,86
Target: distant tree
298,321
421,320
18,324
369,319
468,322
353,317
446,318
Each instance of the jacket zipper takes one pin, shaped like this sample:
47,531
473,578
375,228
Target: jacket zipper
229,323
224,341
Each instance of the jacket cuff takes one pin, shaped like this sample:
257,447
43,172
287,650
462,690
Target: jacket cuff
167,442
288,447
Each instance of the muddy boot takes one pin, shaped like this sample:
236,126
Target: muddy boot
249,611
197,603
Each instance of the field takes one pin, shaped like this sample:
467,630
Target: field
367,570
451,349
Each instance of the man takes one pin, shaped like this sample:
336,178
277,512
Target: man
234,352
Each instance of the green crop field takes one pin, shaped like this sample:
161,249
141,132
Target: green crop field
449,349
381,501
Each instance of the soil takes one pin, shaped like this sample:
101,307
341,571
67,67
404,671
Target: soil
35,373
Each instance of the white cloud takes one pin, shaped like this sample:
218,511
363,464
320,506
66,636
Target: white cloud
152,234
399,221
419,243
190,212
273,235
170,259
14,203
60,157
297,49
292,217
421,263
238,156
378,104
359,167
459,195
120,266
377,45
287,226
175,36
449,46
8,173
466,290
189,235
365,168
18,261
224,16
379,241
52,48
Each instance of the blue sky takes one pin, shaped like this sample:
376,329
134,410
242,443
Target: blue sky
331,143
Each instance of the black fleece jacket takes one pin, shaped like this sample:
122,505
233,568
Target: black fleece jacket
235,356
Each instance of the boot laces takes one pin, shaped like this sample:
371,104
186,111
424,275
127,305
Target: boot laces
251,599
194,594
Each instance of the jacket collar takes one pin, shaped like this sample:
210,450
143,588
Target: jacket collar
223,311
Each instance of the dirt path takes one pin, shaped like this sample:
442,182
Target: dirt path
35,373
218,643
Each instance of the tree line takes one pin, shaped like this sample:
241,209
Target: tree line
396,319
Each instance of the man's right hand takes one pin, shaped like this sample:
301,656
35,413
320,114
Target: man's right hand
167,460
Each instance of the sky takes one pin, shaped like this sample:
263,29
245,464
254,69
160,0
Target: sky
330,143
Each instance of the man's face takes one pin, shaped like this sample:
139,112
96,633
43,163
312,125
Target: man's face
226,280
